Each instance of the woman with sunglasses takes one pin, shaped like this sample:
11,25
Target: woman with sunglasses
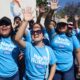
9,51
37,55
63,45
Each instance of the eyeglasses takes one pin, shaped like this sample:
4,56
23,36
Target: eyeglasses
62,24
37,32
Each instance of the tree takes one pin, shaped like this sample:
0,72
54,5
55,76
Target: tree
41,1
70,9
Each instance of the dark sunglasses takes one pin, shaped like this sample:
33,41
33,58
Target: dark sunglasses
38,32
4,24
62,24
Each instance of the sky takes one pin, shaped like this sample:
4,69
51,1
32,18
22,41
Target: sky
63,2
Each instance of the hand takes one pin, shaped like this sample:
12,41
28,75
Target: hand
54,4
42,9
27,14
66,17
76,18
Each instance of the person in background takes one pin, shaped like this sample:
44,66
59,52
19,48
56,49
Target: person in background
9,51
17,23
63,45
37,55
70,29
15,8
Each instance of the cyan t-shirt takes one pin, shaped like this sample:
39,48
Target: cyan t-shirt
36,59
63,48
8,57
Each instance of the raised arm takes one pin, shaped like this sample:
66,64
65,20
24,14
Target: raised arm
78,60
41,12
54,6
27,17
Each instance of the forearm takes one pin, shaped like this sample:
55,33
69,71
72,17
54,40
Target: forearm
52,72
39,18
21,31
78,56
48,18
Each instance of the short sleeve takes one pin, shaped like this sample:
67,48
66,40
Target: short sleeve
53,59
75,42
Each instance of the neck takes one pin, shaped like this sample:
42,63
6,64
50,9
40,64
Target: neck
39,43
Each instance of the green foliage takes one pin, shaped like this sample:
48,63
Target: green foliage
41,1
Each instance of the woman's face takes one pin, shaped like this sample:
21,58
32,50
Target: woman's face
37,34
5,30
62,27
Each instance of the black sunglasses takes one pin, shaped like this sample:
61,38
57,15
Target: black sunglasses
37,31
7,24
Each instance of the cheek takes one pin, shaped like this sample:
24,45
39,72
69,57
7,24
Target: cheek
32,37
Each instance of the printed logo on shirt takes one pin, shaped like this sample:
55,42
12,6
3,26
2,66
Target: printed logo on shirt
62,42
42,60
7,48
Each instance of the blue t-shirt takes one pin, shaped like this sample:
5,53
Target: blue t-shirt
36,60
63,48
8,57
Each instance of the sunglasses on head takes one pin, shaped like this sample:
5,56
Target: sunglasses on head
37,31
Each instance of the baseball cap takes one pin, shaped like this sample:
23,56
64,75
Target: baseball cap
5,21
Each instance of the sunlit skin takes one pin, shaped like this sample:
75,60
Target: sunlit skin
5,30
52,25
63,29
37,37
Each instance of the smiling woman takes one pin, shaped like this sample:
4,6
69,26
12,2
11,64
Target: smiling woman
38,56
9,51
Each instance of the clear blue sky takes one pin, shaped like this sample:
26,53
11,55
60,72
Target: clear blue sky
63,2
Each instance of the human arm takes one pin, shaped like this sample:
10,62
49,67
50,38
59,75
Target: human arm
53,7
53,61
78,60
52,72
76,45
18,37
15,9
41,12
76,26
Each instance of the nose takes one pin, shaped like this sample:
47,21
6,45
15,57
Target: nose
35,32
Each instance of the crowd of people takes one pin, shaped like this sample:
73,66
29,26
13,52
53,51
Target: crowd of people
30,50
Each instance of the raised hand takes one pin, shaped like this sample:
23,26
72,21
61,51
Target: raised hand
41,8
54,4
76,18
27,14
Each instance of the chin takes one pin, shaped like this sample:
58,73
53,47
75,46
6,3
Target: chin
5,35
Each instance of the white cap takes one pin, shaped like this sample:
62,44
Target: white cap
63,20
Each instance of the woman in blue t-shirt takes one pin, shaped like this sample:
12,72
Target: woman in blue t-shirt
63,44
8,51
38,56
